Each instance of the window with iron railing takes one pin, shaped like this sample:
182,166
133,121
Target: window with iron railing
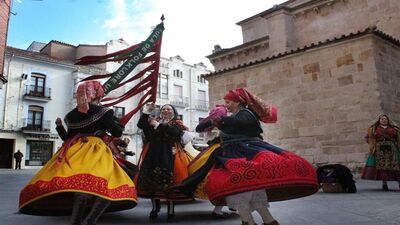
162,90
178,100
35,117
37,84
32,91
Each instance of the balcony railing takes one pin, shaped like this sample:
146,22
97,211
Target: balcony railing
28,126
36,92
162,99
179,101
201,105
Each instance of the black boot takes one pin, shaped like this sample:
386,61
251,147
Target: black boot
99,206
78,208
156,208
171,211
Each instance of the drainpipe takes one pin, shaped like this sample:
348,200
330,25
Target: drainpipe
190,97
6,94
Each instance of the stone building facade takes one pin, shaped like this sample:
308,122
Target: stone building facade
329,65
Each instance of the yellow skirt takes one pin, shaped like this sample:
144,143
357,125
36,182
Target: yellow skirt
88,167
196,164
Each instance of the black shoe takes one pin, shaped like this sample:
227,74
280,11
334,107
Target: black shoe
170,218
272,223
232,209
153,215
385,187
217,216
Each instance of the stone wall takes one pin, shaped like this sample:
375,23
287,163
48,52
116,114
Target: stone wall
301,23
327,97
322,21
388,68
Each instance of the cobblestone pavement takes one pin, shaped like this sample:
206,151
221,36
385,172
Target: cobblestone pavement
369,206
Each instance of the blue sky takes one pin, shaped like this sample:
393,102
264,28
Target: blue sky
192,27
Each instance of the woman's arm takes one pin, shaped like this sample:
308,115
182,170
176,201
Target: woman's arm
202,126
143,122
110,122
243,118
61,129
171,130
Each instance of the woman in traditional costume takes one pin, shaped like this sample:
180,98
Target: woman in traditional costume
162,162
193,186
383,161
83,170
247,170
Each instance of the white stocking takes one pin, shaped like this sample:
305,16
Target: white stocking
245,215
218,210
265,214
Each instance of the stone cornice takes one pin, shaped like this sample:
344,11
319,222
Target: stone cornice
248,46
369,30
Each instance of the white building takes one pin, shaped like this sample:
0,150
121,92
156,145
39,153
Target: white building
182,86
41,87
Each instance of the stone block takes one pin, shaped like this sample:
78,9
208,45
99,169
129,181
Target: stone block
321,159
357,157
310,131
366,55
344,60
337,158
311,68
360,67
343,81
330,150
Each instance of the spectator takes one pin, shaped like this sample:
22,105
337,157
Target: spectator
18,158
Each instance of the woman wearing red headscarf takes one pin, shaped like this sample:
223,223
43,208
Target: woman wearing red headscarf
200,166
83,169
248,169
163,162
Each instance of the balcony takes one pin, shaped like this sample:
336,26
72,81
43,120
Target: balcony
35,128
162,99
201,105
36,93
179,101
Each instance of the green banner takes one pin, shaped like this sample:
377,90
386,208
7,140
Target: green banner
136,57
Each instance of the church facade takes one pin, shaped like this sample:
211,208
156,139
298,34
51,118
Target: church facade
330,66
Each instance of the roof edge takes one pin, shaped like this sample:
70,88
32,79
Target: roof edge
370,30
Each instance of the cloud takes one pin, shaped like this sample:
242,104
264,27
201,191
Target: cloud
192,28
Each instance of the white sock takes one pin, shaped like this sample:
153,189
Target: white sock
245,215
218,210
265,214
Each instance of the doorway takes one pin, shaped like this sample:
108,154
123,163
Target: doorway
6,153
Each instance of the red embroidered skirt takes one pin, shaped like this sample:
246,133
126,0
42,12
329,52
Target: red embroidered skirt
283,175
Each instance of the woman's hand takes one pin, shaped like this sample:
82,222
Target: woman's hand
216,121
58,122
149,108
153,122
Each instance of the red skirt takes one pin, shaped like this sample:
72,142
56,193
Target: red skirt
283,175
